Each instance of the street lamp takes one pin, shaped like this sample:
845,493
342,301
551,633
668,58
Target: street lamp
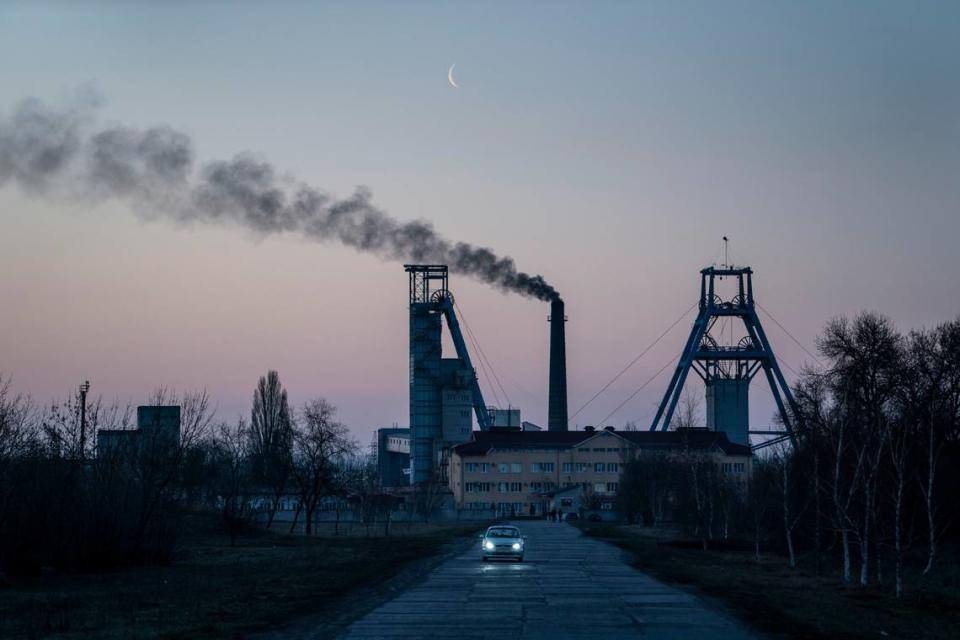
84,388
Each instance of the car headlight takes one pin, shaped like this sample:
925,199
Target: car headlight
516,546
488,545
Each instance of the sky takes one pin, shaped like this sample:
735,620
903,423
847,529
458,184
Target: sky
607,146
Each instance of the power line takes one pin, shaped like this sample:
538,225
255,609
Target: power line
483,355
489,363
641,388
784,329
483,368
634,361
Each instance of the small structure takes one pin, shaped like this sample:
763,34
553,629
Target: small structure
393,457
158,428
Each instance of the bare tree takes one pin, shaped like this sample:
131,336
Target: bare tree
16,438
271,439
231,444
900,444
156,462
702,474
361,488
427,496
16,412
760,496
867,363
320,445
934,365
689,414
646,483
785,474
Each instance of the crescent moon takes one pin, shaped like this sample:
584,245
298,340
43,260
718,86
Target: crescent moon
450,79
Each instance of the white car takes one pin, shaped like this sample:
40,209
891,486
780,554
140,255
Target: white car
502,541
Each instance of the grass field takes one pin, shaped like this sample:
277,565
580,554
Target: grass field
796,603
213,590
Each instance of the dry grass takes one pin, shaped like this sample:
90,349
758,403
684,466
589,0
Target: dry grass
796,603
213,590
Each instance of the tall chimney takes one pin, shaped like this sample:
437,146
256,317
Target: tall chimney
557,411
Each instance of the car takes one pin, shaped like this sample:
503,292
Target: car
502,541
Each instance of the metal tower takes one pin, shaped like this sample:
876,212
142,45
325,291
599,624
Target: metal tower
727,370
430,299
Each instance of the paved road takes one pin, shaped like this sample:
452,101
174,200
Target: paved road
569,586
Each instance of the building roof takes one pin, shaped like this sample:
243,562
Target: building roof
484,441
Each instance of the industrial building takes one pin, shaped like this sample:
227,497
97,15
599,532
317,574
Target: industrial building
441,444
158,427
443,391
520,473
393,457
445,395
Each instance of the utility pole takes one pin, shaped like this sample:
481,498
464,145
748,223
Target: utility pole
84,388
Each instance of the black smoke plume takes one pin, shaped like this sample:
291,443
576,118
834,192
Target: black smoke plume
48,150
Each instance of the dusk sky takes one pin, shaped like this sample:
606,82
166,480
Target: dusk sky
606,146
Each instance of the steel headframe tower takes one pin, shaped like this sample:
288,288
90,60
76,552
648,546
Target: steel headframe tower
430,298
727,370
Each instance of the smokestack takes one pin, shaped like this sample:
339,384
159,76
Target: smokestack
557,411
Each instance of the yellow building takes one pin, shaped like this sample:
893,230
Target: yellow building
514,472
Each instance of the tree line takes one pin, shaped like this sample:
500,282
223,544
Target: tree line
66,505
868,487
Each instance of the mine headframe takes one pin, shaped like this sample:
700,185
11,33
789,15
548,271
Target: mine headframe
727,370
430,294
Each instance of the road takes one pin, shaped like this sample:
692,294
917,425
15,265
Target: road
569,586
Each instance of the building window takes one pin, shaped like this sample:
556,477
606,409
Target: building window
568,467
484,467
598,467
584,449
612,487
516,487
464,413
503,467
725,467
541,467
606,506
600,487
613,467
536,487
583,466
516,467
614,449
739,467
476,487
502,487
470,466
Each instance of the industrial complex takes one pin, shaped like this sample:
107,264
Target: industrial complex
515,467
